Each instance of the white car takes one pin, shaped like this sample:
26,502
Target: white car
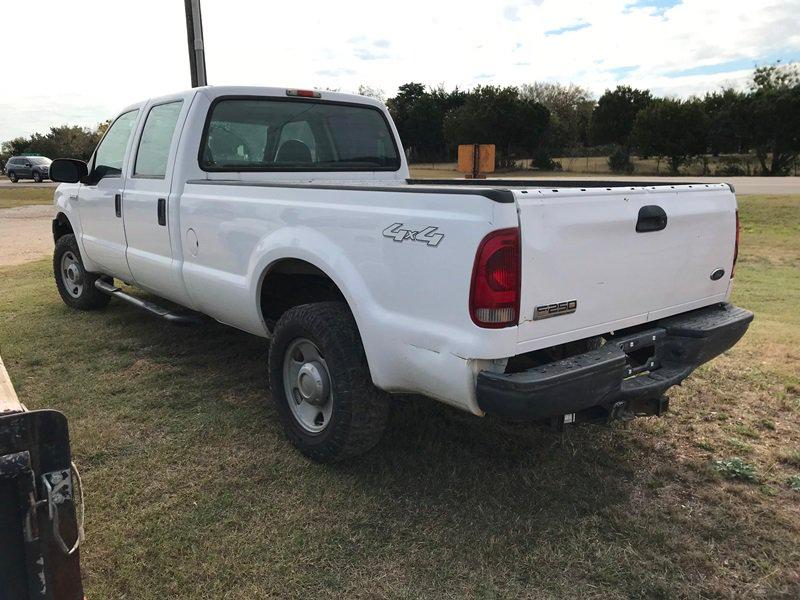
290,214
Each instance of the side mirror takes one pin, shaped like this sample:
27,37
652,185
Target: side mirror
68,170
28,165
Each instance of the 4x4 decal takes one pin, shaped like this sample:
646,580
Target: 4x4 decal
427,235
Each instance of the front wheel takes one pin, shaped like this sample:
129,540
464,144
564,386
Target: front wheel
37,177
75,284
321,385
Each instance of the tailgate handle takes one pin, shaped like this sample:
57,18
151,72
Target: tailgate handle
651,218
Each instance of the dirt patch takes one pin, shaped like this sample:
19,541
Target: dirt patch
25,234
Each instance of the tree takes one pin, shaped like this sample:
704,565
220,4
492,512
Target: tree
675,129
372,92
775,108
613,117
730,121
66,141
570,109
419,115
497,115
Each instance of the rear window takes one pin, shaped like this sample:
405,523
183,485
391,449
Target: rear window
268,134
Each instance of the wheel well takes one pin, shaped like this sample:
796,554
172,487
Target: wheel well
61,226
291,282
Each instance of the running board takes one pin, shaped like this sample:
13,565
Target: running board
155,309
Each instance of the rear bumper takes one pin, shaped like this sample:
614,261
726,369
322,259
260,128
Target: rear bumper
629,368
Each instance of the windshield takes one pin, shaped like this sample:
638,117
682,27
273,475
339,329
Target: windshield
39,160
263,134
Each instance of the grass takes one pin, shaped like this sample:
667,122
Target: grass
193,491
25,196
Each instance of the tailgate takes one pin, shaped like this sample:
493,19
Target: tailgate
582,245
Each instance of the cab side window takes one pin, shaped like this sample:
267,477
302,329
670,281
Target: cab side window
154,145
110,153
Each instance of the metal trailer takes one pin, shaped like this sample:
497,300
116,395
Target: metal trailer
39,531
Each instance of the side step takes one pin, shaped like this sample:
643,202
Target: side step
155,309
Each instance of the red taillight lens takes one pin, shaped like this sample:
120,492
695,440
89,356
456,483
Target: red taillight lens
494,293
736,245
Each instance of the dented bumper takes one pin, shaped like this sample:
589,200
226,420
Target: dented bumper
631,367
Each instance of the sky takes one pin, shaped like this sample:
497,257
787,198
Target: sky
81,61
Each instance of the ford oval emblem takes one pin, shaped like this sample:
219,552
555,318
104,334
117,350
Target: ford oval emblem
717,274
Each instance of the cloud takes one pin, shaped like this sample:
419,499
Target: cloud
335,72
622,72
680,48
367,54
511,12
656,7
567,29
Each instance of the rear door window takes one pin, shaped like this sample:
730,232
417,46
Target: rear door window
156,140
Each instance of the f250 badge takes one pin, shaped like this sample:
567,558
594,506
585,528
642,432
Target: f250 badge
427,235
545,311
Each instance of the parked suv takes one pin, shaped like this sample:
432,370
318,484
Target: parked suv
28,167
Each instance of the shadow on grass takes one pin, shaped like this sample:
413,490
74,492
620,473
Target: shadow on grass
432,459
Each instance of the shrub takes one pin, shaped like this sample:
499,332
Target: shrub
730,166
542,161
619,161
735,468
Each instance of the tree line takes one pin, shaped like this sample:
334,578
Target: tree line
66,141
543,120
540,121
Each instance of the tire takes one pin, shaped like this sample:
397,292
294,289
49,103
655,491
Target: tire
352,412
74,283
37,177
13,177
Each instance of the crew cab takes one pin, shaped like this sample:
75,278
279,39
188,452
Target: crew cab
290,214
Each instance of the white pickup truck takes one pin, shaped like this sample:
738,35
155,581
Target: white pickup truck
289,214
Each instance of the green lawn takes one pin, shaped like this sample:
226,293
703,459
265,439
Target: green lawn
193,492
24,196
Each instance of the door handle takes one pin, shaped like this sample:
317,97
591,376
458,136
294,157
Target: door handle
651,218
118,204
162,211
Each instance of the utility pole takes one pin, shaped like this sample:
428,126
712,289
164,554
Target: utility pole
197,53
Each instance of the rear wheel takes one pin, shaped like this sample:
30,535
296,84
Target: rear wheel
13,177
75,285
321,385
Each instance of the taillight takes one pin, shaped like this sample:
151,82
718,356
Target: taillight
736,245
494,293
